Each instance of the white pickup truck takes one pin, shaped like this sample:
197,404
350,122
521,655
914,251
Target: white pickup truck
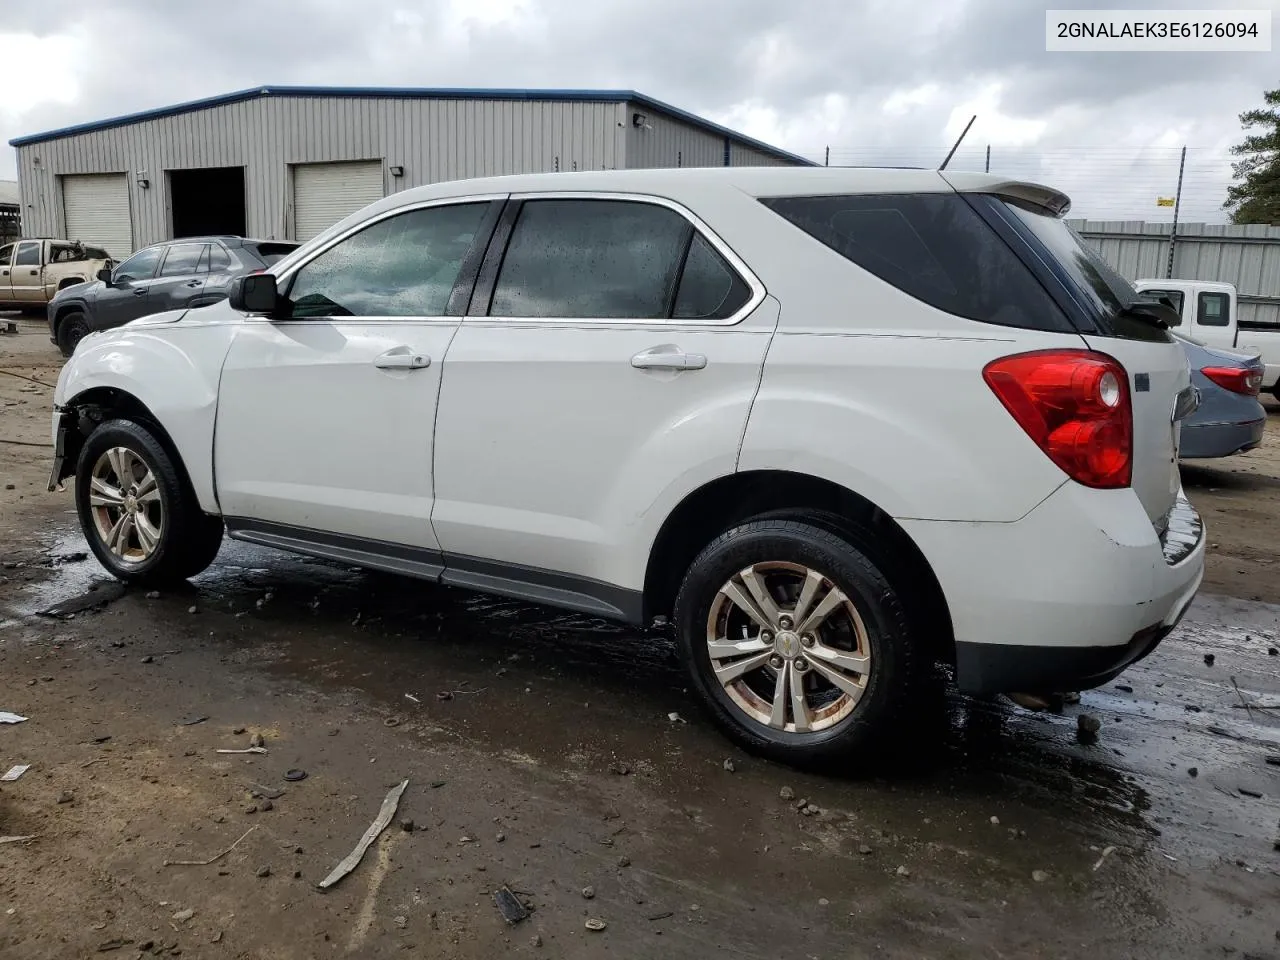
1209,314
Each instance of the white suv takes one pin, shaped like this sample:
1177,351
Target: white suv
837,425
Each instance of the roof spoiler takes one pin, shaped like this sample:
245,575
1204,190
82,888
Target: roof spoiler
1035,194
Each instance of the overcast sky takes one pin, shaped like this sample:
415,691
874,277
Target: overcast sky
877,81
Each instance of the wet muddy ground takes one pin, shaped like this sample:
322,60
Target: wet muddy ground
540,756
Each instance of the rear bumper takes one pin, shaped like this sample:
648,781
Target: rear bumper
1220,439
1066,597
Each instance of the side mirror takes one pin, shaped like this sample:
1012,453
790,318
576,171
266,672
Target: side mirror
105,275
255,293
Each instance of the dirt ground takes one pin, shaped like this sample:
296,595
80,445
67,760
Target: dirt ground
539,756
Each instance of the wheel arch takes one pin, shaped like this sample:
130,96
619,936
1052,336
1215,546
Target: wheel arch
722,503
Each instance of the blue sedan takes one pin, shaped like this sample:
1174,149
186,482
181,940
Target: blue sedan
1230,419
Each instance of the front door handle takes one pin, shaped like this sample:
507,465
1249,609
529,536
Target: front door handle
194,283
399,358
140,293
668,357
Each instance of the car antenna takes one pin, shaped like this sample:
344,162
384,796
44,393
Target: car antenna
955,146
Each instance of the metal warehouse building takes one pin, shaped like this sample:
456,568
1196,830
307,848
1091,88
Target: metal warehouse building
286,162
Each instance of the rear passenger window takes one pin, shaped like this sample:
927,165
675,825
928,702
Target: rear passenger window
709,288
591,259
1214,310
933,247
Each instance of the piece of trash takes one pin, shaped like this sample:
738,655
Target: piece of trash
15,772
216,938
257,740
391,722
729,767
102,739
1273,759
97,596
1208,659
410,696
153,594
264,871
265,793
1193,772
437,784
184,915
114,944
664,915
407,825
1246,791
400,922
676,718
595,925
1105,853
619,769
1124,688
379,824
30,836
11,717
444,695
509,905
1039,876
588,893
246,750
1169,856
294,775
148,659
192,721
214,859
995,821
786,793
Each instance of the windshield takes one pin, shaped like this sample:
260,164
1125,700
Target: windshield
1107,291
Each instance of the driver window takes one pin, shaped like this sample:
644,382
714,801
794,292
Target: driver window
141,266
404,266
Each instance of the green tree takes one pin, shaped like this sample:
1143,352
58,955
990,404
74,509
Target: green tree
1255,197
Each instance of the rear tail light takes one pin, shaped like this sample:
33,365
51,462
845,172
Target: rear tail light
1236,379
1075,405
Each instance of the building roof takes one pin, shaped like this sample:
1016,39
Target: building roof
9,193
413,93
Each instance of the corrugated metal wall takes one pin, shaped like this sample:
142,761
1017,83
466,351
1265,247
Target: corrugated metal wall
1247,256
741,155
669,142
433,139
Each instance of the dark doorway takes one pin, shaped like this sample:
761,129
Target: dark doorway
208,201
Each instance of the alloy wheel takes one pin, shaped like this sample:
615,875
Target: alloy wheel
788,646
125,502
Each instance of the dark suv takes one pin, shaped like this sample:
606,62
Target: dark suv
174,275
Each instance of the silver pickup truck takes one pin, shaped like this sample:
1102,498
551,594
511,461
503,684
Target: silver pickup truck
33,270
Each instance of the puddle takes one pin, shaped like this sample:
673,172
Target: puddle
565,688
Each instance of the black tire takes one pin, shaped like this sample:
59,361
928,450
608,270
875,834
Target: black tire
72,328
898,677
188,538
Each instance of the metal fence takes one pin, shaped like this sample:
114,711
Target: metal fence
1247,256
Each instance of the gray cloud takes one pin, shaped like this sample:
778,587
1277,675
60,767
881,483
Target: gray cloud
805,75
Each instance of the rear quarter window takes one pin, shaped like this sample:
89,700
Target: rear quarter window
933,247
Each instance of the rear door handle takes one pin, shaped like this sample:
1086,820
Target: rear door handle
399,358
194,283
668,356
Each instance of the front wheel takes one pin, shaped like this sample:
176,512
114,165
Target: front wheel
137,509
797,644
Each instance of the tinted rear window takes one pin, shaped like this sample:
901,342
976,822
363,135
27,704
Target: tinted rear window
934,247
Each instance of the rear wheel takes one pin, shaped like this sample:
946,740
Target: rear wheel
798,645
137,509
72,328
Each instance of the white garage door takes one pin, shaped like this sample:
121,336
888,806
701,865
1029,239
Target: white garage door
96,209
324,193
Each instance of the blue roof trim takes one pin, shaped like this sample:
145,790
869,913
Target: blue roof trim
425,93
